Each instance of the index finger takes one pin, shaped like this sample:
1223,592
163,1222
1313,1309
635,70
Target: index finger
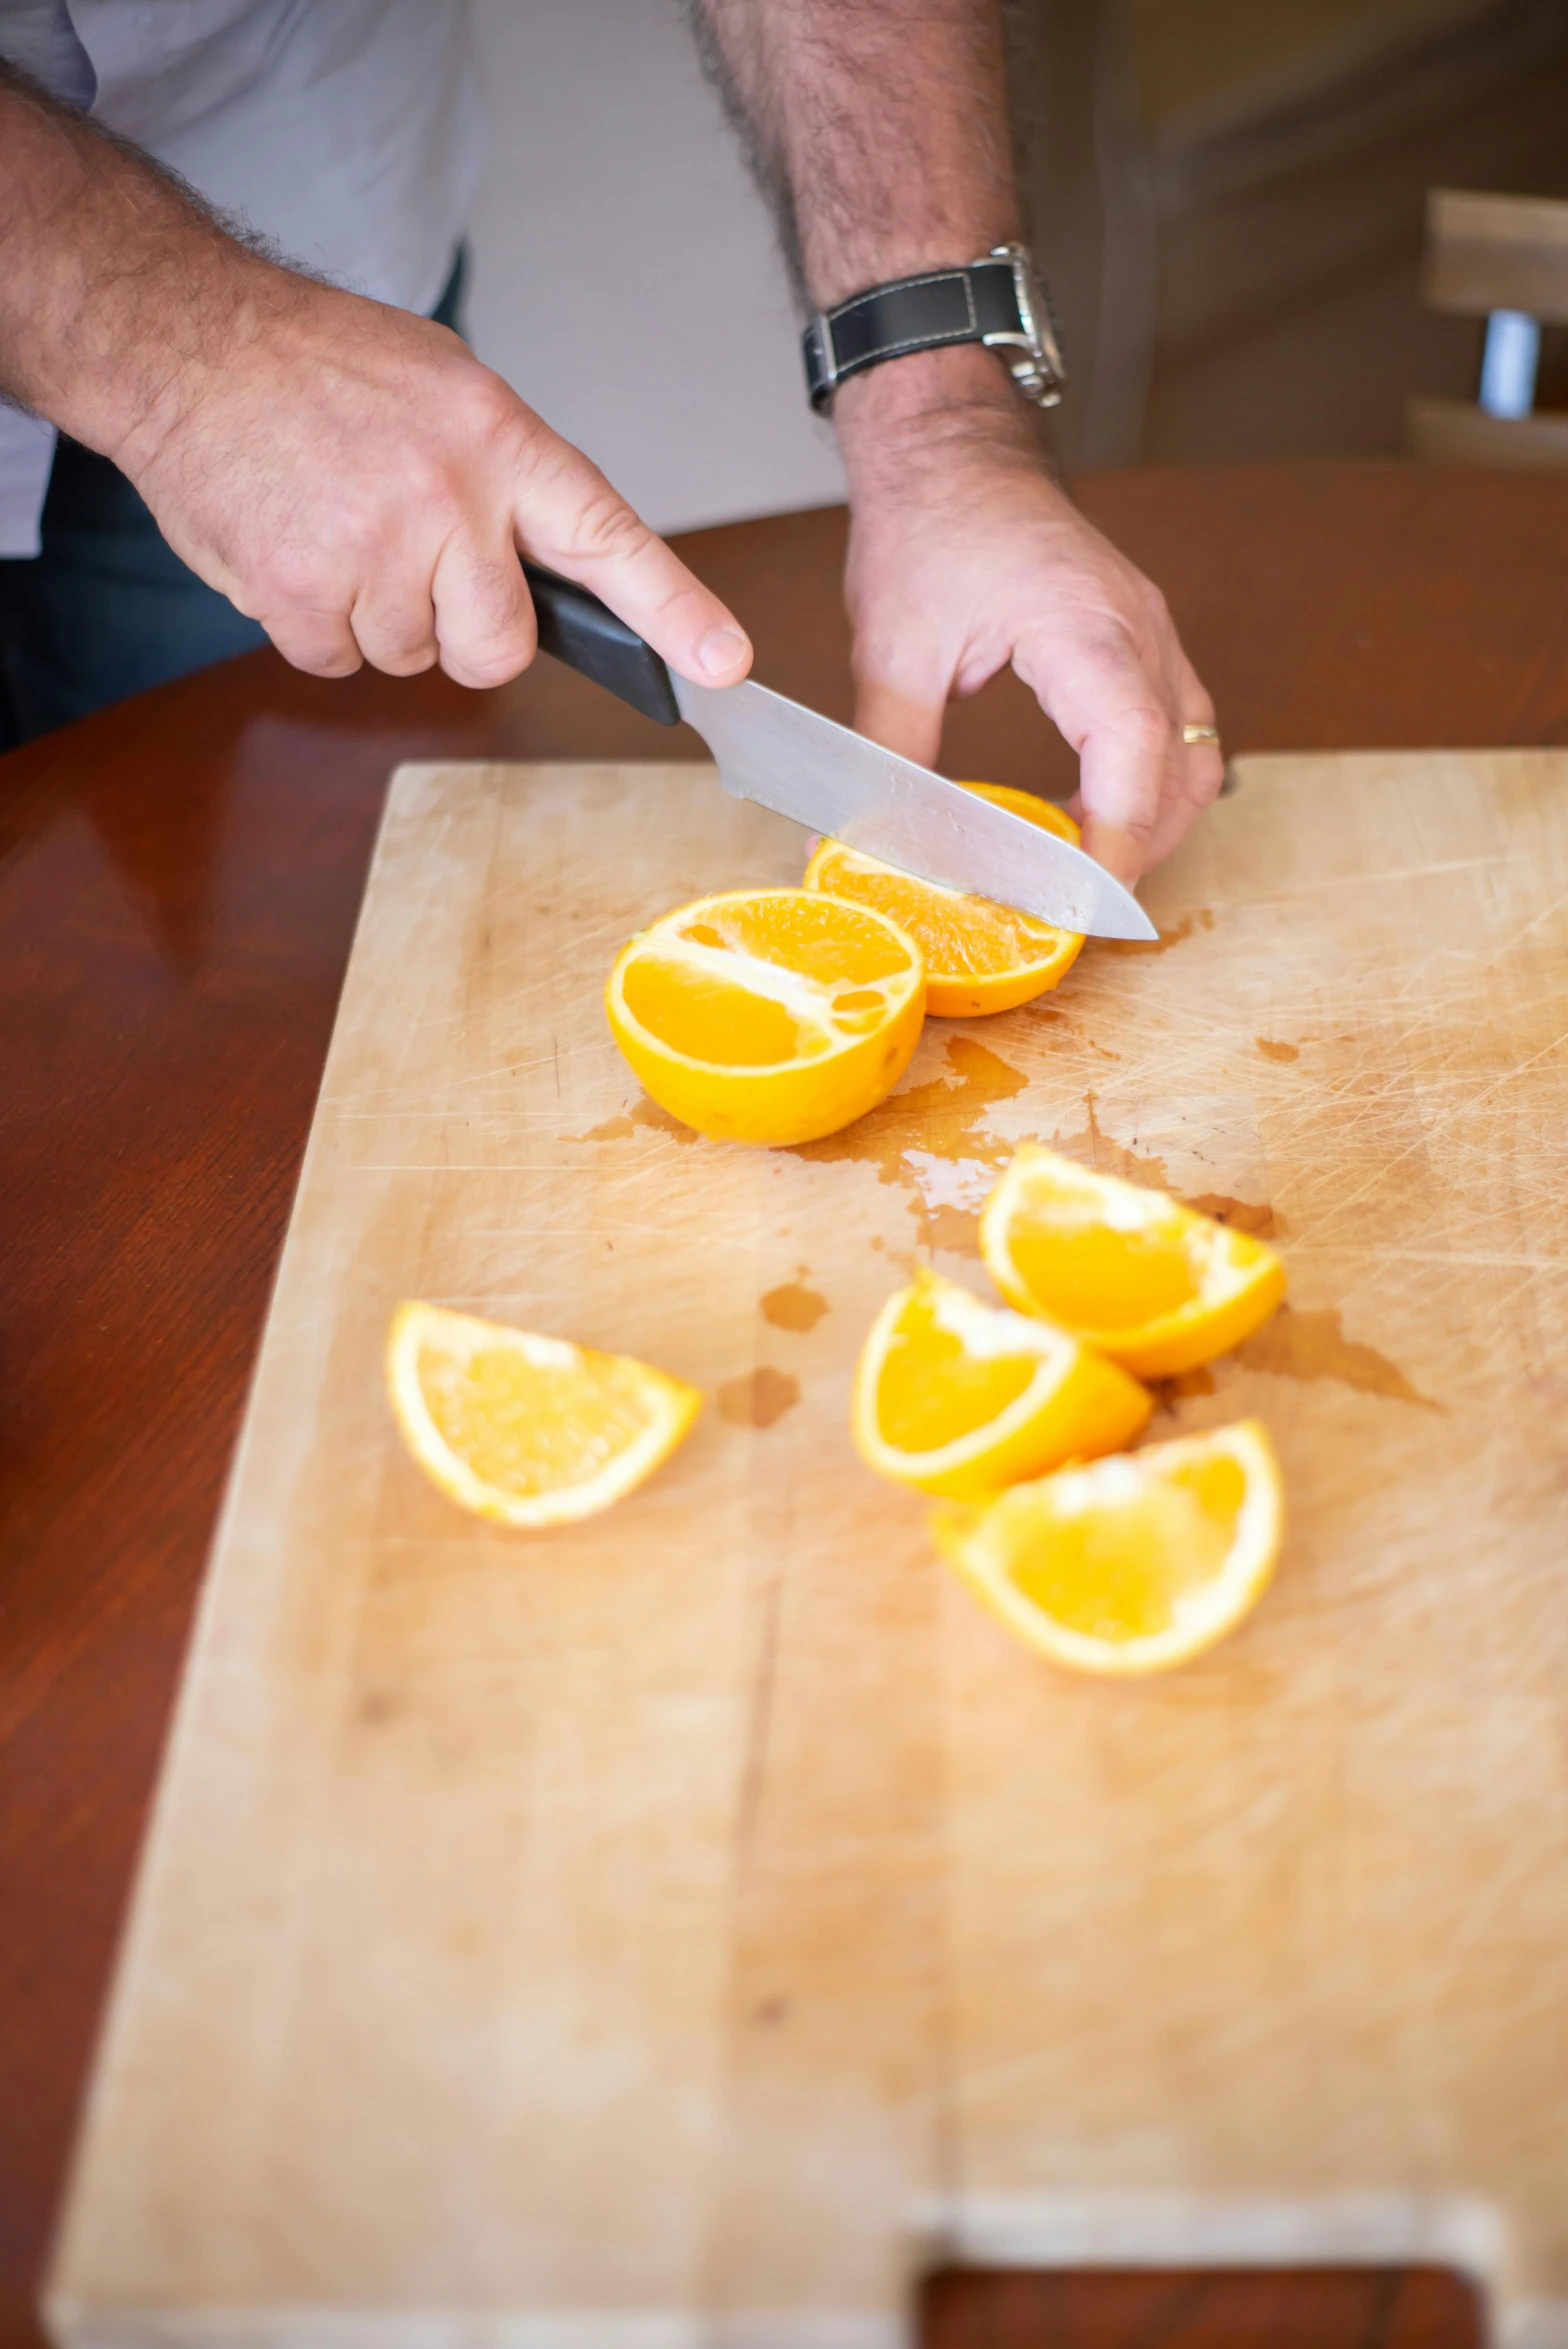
1121,773
569,517
1109,711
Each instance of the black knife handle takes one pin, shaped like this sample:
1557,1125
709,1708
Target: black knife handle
584,633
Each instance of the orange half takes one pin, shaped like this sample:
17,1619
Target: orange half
768,1015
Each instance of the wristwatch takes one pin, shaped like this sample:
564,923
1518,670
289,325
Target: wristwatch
997,300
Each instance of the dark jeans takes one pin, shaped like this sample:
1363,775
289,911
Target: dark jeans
107,608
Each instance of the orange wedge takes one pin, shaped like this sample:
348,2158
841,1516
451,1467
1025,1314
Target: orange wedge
961,1398
980,957
528,1430
768,1015
1131,1564
1135,1275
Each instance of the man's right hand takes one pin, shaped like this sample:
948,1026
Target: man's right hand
346,473
355,480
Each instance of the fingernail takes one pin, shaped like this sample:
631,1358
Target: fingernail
722,651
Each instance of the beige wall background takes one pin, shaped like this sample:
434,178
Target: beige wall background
625,276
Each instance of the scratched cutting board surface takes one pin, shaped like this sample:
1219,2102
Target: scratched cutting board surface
682,1928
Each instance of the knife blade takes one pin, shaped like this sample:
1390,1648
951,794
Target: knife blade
820,774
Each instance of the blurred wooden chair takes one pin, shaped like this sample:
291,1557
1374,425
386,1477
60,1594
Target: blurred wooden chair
1504,259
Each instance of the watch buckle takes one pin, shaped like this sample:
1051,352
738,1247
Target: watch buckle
1039,371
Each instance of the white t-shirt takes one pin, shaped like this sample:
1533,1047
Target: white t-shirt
347,132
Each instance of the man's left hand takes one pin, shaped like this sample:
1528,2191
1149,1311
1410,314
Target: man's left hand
965,558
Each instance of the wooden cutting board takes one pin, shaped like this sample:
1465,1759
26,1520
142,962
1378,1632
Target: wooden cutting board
680,1929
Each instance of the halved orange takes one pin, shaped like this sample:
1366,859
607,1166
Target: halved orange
1134,1274
980,957
768,1015
528,1430
1130,1564
958,1397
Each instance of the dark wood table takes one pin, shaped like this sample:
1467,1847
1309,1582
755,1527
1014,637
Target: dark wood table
178,885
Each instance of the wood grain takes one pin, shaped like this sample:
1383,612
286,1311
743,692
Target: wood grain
718,1865
178,885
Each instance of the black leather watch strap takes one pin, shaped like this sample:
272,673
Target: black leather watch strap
976,302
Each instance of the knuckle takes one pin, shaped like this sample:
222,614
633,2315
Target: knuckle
484,665
486,407
875,668
894,655
1156,610
402,660
318,659
485,623
1109,657
366,534
430,483
1146,729
397,637
604,527
293,574
498,598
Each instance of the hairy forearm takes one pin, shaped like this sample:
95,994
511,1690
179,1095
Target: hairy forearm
879,125
118,290
880,129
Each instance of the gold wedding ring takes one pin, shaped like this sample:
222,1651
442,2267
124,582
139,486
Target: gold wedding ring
1200,733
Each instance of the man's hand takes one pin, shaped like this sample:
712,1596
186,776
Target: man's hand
352,478
348,475
881,130
965,558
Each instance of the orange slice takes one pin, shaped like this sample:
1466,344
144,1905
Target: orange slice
1137,1276
1131,1564
961,1398
528,1430
980,957
768,1015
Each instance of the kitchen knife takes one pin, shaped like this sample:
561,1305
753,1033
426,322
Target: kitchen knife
821,775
